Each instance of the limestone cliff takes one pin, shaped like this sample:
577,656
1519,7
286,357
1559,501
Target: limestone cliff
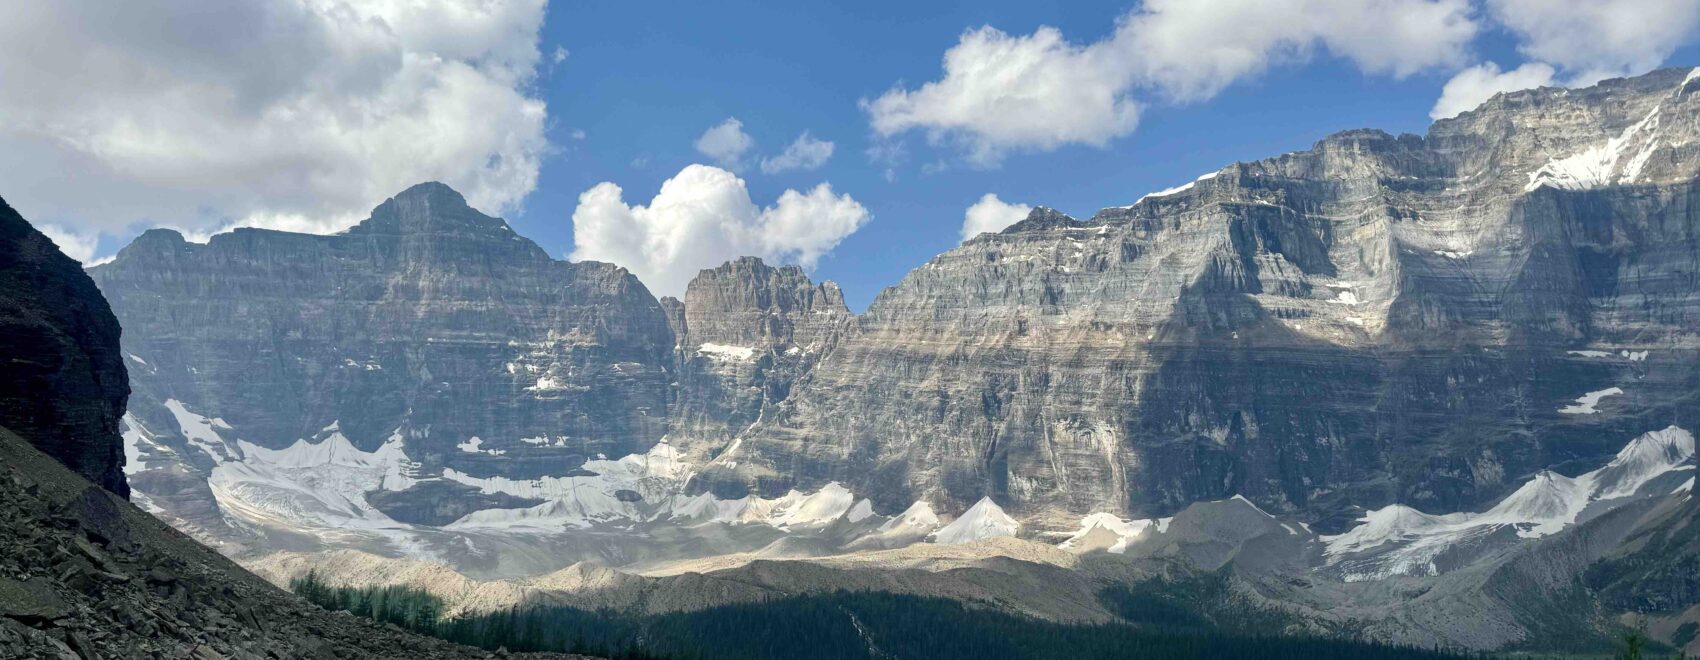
1377,319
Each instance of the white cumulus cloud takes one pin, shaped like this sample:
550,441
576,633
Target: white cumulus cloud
726,143
1193,49
1001,93
991,214
76,245
702,217
1479,83
306,112
804,153
1596,39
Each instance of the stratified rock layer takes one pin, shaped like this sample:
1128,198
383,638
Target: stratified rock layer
1378,319
62,379
429,319
748,332
1427,320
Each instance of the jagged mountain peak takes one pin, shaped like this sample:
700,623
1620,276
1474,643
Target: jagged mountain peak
745,300
397,309
160,236
431,189
1041,218
751,267
1676,80
433,208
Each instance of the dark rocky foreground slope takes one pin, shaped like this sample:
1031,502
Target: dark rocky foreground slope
85,574
62,378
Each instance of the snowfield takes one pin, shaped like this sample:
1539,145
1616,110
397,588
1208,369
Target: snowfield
1400,540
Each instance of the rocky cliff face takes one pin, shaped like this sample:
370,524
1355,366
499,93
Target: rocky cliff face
62,379
428,322
1416,319
83,573
1428,320
1389,379
429,364
748,332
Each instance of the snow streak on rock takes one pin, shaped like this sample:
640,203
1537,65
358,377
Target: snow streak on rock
1618,161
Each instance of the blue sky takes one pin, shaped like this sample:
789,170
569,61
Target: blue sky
303,114
644,83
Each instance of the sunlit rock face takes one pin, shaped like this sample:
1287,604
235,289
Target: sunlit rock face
749,331
1378,319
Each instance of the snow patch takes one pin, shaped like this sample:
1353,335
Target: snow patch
588,497
202,432
860,512
317,487
984,520
136,438
1126,531
726,352
545,384
1632,356
474,445
919,516
1175,190
1587,403
1611,163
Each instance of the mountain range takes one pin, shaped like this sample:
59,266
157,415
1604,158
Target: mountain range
1433,389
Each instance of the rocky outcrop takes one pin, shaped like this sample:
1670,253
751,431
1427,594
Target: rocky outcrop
62,379
84,574
747,332
1377,319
